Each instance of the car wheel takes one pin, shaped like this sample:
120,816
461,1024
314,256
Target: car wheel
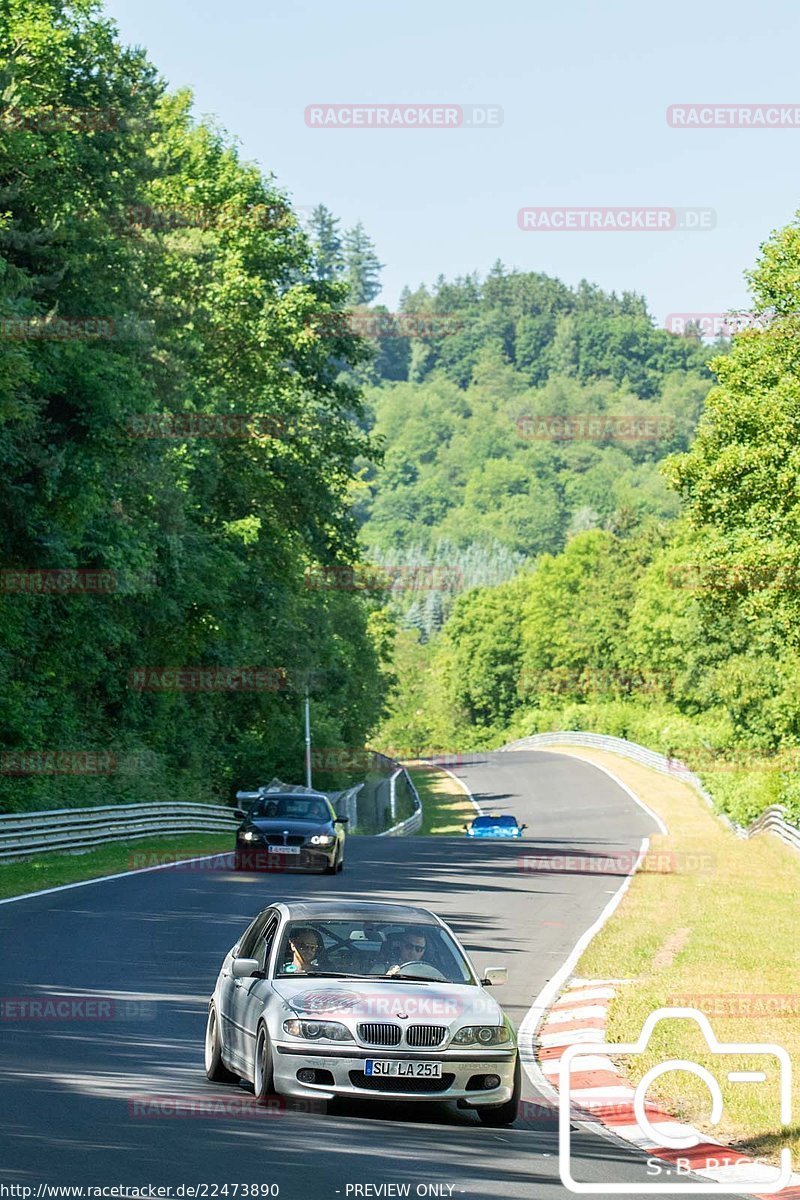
496,1115
341,864
332,868
216,1070
263,1074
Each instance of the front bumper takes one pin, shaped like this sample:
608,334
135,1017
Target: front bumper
259,858
460,1068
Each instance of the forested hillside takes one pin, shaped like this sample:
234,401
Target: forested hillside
679,634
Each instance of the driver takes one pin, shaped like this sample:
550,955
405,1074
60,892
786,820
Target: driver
411,948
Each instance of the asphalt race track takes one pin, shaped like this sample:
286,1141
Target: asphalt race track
79,1099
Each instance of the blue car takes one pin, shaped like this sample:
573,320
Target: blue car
495,827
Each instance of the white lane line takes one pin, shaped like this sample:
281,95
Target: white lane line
662,828
66,887
461,783
551,989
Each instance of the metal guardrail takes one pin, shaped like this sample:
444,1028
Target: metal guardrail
411,824
772,820
77,829
27,833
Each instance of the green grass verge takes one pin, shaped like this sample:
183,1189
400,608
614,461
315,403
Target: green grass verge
51,870
445,806
710,924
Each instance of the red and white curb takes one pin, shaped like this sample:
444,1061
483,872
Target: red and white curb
601,1095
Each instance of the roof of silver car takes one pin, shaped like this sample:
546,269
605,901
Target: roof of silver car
341,910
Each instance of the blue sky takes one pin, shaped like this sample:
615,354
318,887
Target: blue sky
584,89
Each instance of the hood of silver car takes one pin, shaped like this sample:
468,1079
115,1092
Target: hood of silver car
383,1000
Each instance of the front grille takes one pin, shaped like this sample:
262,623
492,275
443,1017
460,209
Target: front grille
294,839
379,1033
426,1035
389,1083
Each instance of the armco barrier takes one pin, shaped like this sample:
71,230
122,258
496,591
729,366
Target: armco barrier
413,823
27,833
770,821
76,829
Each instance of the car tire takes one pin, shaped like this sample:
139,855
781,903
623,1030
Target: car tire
332,868
497,1115
340,867
263,1075
216,1071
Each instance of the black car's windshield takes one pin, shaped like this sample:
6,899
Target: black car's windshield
378,949
297,808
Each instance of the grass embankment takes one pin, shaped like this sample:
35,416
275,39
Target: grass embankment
445,805
712,928
51,870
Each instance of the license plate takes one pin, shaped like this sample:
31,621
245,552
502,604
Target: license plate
402,1068
283,849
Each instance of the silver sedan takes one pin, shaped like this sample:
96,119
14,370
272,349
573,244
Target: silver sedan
369,1000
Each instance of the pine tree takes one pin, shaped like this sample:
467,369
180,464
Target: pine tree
362,269
327,244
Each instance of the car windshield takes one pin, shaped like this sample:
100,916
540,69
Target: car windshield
297,808
378,949
490,822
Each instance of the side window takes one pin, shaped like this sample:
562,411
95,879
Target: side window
248,943
264,946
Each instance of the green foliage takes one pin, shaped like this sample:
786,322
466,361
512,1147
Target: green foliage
462,463
208,538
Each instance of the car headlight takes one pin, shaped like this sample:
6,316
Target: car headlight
482,1035
332,1031
250,835
322,839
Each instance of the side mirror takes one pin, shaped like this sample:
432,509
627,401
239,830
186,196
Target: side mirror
342,821
495,976
244,968
465,827
240,813
523,826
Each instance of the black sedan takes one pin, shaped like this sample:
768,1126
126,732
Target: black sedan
290,831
